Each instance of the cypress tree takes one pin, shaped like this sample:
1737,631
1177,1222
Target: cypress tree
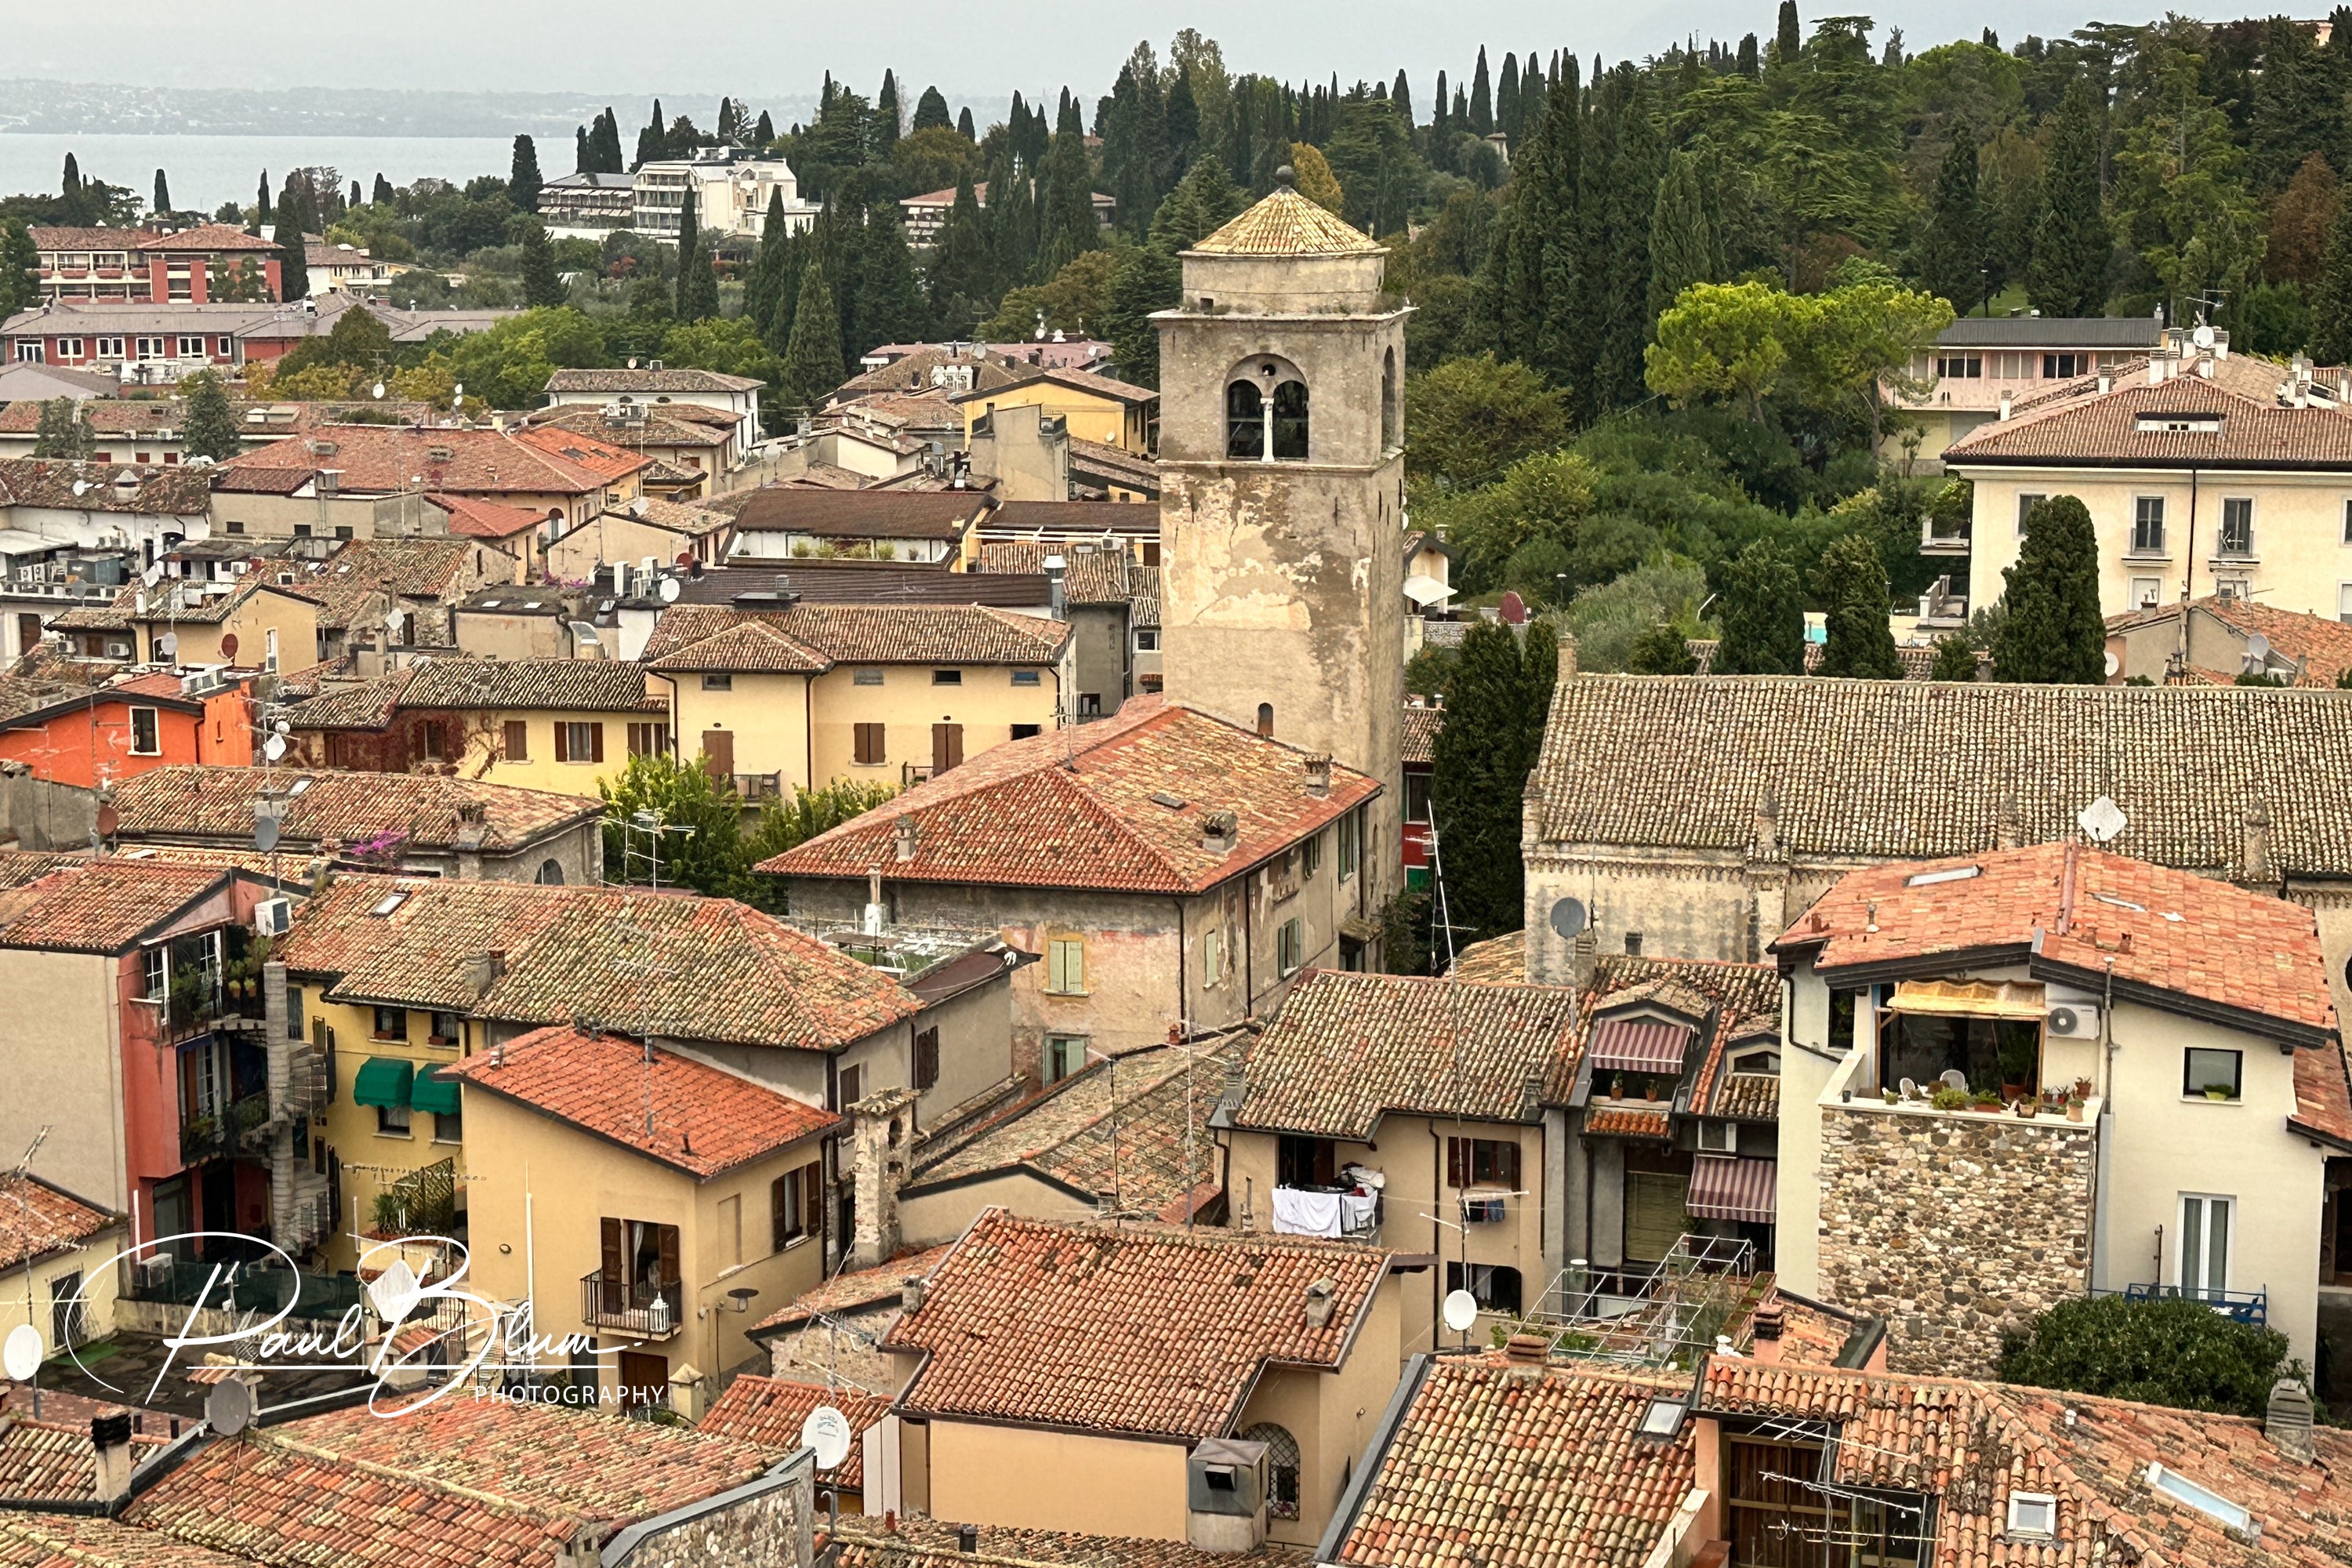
70,197
261,207
1507,98
1620,203
1151,278
1763,615
652,139
1787,40
1066,225
2331,298
768,268
1951,246
764,130
163,193
353,199
20,268
776,326
1683,246
209,428
888,306
1495,704
932,109
1401,99
541,286
2068,273
961,267
1956,658
522,180
964,127
1853,590
697,285
1747,64
812,361
886,115
1533,90
1440,120
2054,632
604,143
382,194
583,160
1662,650
1481,103
293,259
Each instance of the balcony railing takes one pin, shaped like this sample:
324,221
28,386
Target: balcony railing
753,787
2249,1306
220,1134
1939,536
634,1306
264,1287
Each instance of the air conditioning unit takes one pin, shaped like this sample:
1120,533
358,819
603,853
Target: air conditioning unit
152,1272
274,917
2073,1017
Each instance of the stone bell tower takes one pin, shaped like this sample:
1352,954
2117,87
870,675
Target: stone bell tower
1282,485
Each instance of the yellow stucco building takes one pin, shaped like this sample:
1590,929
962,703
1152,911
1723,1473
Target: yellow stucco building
1094,407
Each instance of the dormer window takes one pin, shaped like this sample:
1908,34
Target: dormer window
2201,424
2033,1515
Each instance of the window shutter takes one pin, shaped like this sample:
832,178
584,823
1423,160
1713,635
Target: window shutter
596,741
927,1058
1506,1165
668,1238
780,1193
562,742
517,740
1056,980
1457,1163
812,1199
612,1263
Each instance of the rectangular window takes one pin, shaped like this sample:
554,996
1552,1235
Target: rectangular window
851,1085
2237,525
716,682
1352,829
1482,1163
870,752
648,740
730,1229
226,346
1026,678
2205,1227
1311,857
69,348
1065,966
1147,640
1289,946
947,747
110,348
1416,798
2058,367
448,1029
1495,1286
874,676
1024,731
946,678
394,1119
2348,523
392,1022
1213,956
517,740
1961,367
449,1126
1718,1137
146,740
191,347
2147,525
576,743
794,1200
927,1058
2025,505
2146,592
1065,1056
155,972
2214,1075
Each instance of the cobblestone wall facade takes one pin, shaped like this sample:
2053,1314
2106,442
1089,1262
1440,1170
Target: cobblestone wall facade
1954,1229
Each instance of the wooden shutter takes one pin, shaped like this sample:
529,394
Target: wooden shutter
812,1199
927,1058
1457,1163
611,1261
1654,1214
779,1192
947,747
718,752
1507,1164
666,1238
517,742
596,741
563,742
870,749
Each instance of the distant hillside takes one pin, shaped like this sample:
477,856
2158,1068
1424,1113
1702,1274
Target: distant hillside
121,107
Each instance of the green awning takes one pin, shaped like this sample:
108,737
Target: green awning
435,1093
383,1080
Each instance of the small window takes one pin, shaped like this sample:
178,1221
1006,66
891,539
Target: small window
2033,1513
1663,1418
1352,849
946,678
1213,956
1066,1054
927,1058
448,1029
1718,1137
1290,946
154,973
394,1119
1027,678
852,1085
2348,523
869,743
2211,1073
576,743
2025,505
649,740
2205,1501
1024,731
146,739
2237,525
517,740
392,1022
1632,945
868,676
1147,640
1065,966
2147,525
1496,1290
1311,857
1482,1163
795,1201
712,681
1244,421
2146,592
449,1126
1765,1062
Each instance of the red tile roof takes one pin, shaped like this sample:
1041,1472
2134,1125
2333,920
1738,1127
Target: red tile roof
1140,1330
36,1219
2321,644
477,518
50,1460
2081,911
1086,381
100,906
1622,1123
388,459
2122,428
1087,808
768,1412
200,802
459,1483
705,1121
866,1541
84,1540
862,514
813,637
599,458
208,237
1497,1464
855,1290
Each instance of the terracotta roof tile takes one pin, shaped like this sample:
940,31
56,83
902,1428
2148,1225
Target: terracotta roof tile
1348,1049
669,379
869,1542
207,236
1496,1463
580,450
153,492
1422,724
1077,380
856,1291
660,427
2080,910
99,906
36,1219
389,458
861,514
1087,808
1287,224
404,568
197,801
50,1461
768,1412
580,685
474,518
2321,644
1624,1123
814,638
1143,1330
83,1540
2125,427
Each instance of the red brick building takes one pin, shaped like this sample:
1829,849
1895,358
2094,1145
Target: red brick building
134,266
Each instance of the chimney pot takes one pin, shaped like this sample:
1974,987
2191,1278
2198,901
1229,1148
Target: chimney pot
2005,400
2286,1421
1526,1350
109,1441
1583,958
1320,1302
1318,773
905,839
912,1292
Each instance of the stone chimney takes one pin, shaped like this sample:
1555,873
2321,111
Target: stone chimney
2256,859
2286,1421
1768,825
1220,832
2156,369
109,1442
913,1291
2005,402
1766,1325
1318,772
882,1137
1567,655
1583,958
482,971
473,827
1529,1351
2008,832
905,840
1322,1299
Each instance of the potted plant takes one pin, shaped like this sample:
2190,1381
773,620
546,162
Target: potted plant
2217,1091
2027,1107
1949,1099
2074,1107
1990,1102
1617,1086
1650,1090
2082,1088
1890,1096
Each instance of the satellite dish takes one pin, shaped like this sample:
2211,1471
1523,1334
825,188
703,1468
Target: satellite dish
22,1354
2202,337
377,390
168,643
80,485
668,590
1461,1311
2114,664
228,1408
395,621
1568,917
826,1430
274,747
2258,648
2102,820
228,645
265,824
458,392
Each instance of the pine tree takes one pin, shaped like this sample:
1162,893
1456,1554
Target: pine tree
541,286
1150,278
932,109
812,362
2054,632
1788,40
2298,105
1482,101
1763,615
1507,98
1951,251
962,269
697,285
383,195
1853,590
1683,246
2068,273
209,427
2331,299
1495,704
523,181
64,431
20,268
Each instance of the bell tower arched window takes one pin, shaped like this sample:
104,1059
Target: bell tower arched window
1290,422
1244,421
1266,411
1392,425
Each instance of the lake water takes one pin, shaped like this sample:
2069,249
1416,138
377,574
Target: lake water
206,171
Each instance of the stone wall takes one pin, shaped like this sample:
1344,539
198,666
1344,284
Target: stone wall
1953,1227
768,1524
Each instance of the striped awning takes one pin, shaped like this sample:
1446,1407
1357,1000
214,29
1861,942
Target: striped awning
1970,998
1639,1045
1725,1188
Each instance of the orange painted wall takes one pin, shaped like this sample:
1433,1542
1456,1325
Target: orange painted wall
72,748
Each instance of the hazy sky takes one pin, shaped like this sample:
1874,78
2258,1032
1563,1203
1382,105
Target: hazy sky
983,48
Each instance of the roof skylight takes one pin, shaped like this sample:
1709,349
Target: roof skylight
2180,1488
1950,874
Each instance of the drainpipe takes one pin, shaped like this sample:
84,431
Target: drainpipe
808,728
